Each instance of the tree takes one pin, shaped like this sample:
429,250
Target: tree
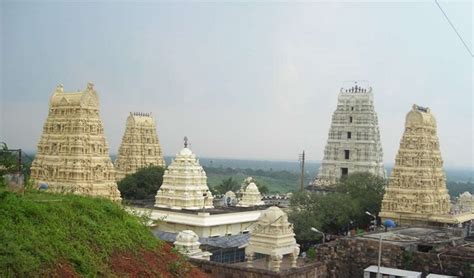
227,185
262,188
8,162
303,210
143,184
332,213
366,192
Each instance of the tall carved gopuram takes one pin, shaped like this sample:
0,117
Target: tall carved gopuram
416,193
354,139
73,154
140,145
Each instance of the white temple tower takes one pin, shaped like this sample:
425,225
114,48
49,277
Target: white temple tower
417,192
184,184
73,154
140,146
354,139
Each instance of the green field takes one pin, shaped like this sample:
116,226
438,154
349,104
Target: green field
275,181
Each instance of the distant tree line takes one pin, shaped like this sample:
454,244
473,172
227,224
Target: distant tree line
282,174
457,188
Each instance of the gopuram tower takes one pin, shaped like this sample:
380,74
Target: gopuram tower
354,139
416,193
184,184
73,155
140,145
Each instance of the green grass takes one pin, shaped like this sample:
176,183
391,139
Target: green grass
274,185
38,230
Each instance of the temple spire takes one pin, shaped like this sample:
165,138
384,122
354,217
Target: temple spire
185,141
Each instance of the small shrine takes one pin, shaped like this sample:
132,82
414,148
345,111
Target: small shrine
229,199
465,202
272,236
187,243
184,184
251,196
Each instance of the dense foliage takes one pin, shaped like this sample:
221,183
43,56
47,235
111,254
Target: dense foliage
338,211
457,188
143,184
228,184
8,162
39,230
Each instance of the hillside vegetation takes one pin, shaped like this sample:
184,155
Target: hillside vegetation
45,234
276,181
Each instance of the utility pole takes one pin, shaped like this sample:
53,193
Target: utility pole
20,166
302,170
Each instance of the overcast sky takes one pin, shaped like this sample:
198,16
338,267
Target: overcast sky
255,80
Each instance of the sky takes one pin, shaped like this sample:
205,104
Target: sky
243,80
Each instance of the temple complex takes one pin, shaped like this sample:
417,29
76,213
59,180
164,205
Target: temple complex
251,197
73,155
416,193
354,139
140,146
272,236
184,184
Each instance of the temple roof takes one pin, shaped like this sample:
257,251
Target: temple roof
185,152
87,97
271,215
420,116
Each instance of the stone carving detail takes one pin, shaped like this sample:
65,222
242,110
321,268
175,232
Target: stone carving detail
272,236
417,186
354,139
140,145
184,184
69,157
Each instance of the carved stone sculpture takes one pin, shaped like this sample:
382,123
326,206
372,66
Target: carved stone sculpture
140,145
69,159
417,191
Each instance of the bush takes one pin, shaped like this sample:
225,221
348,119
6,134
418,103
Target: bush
311,253
143,184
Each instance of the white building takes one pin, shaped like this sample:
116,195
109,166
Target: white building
354,138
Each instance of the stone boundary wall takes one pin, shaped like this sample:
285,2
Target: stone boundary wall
348,257
220,270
